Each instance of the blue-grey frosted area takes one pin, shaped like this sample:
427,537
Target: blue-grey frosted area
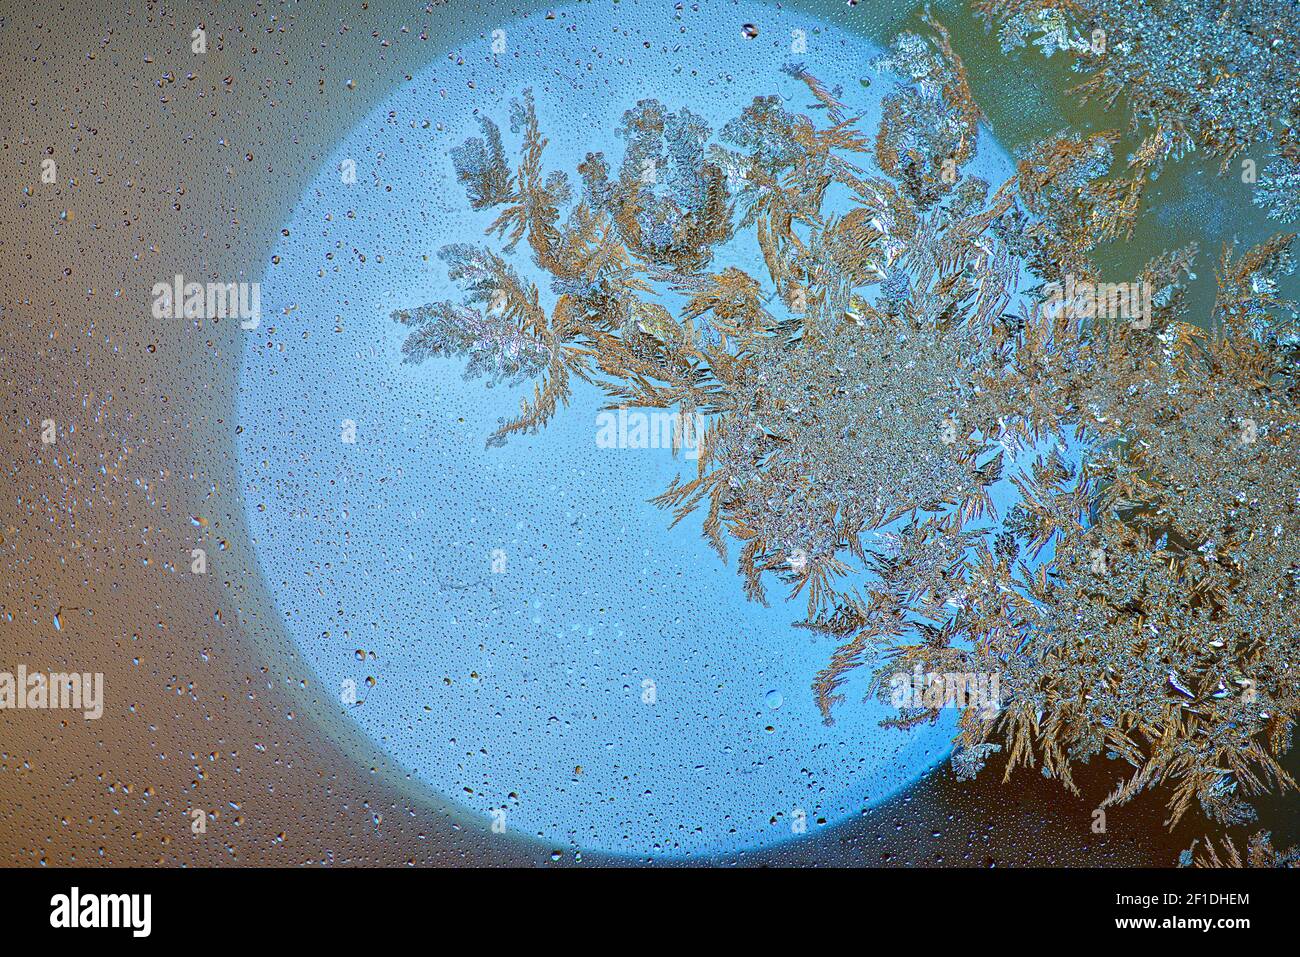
608,685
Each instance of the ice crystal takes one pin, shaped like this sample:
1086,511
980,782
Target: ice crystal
1279,190
495,342
1194,74
890,358
1260,852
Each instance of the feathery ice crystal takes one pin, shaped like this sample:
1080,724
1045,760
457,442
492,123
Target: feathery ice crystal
889,358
